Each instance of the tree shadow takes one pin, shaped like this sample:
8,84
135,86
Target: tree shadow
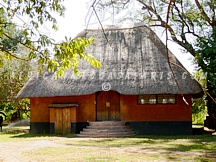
29,135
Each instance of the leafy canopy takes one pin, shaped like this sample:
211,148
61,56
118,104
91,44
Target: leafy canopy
13,75
188,20
44,50
206,59
192,25
199,108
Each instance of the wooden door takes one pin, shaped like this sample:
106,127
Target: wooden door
62,121
108,106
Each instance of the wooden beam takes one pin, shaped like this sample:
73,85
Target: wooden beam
63,105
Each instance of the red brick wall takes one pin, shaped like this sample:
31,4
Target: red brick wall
85,112
131,111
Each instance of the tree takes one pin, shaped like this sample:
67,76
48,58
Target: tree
191,24
13,75
206,59
45,51
199,108
7,44
186,19
13,72
21,46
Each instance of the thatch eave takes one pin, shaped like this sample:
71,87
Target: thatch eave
134,62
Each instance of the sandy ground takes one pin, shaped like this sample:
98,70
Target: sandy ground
16,151
13,151
24,150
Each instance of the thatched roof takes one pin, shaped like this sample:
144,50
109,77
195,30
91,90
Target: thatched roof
134,62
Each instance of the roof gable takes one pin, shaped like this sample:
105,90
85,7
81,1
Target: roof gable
133,61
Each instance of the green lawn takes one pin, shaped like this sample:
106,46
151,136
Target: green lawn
152,148
139,148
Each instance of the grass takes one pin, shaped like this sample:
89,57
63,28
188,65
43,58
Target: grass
196,143
139,148
111,154
8,134
19,133
87,154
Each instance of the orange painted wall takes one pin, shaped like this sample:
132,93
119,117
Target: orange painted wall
85,112
38,109
131,111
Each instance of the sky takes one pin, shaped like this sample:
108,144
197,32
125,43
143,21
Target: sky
74,22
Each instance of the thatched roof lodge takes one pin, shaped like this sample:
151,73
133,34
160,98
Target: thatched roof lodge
134,69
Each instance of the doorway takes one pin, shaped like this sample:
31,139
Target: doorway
108,106
62,121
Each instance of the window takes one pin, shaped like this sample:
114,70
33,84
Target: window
157,99
166,99
146,99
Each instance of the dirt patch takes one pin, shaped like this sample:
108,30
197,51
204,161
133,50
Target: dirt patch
55,149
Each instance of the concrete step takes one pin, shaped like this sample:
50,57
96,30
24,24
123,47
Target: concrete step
110,130
107,129
107,123
106,133
103,136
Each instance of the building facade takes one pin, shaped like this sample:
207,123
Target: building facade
136,84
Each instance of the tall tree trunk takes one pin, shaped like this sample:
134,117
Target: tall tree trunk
211,106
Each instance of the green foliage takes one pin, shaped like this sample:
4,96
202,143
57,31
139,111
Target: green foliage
199,108
41,48
188,20
206,58
68,54
13,76
7,107
199,111
17,42
7,30
192,25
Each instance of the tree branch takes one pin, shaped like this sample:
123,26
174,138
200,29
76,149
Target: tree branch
18,41
4,23
8,52
185,44
125,3
181,14
40,52
167,53
211,22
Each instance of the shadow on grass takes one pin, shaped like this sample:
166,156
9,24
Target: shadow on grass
205,145
20,132
29,135
15,130
170,143
150,139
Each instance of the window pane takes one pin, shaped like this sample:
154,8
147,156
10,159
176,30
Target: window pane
166,99
147,99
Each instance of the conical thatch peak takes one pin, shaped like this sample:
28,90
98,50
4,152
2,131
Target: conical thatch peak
134,62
